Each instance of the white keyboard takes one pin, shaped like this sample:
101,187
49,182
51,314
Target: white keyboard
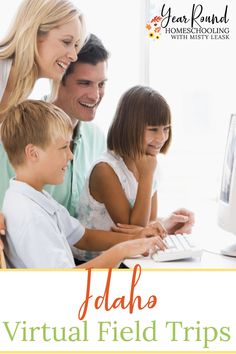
179,247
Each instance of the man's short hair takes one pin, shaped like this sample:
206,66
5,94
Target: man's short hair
93,52
32,122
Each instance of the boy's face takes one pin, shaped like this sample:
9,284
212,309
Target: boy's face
53,160
83,91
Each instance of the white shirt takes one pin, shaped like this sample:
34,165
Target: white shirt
5,68
40,231
93,214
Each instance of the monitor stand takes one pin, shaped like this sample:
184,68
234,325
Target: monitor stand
229,251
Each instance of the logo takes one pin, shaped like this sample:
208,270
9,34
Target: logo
154,27
196,23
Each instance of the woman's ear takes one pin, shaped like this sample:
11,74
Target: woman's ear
32,152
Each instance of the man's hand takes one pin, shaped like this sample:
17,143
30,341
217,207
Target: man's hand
180,221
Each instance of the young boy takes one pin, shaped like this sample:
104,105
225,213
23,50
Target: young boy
40,232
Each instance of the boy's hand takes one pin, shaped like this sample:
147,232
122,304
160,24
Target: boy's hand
180,221
142,246
155,229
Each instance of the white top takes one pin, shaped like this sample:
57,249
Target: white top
39,230
5,67
93,214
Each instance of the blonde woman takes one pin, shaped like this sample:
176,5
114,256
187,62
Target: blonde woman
42,41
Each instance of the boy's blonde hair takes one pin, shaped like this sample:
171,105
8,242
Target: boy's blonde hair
32,122
34,18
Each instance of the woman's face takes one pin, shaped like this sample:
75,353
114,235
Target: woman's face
57,49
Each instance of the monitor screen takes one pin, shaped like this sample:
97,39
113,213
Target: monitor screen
227,202
229,161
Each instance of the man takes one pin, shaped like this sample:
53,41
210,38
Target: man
80,92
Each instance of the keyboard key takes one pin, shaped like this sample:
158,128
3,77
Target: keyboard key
179,247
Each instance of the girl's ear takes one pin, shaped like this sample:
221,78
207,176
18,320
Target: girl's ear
32,152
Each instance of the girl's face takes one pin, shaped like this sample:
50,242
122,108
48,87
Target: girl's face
155,137
57,49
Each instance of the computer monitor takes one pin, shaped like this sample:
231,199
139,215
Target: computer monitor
227,202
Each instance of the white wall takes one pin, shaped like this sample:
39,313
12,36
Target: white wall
198,78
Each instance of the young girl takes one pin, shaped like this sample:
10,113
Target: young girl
121,187
44,38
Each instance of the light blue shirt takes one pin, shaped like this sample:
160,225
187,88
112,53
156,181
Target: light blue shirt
40,231
89,144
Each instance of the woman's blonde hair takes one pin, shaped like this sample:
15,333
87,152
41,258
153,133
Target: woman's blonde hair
34,18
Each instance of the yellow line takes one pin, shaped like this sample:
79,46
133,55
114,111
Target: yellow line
123,270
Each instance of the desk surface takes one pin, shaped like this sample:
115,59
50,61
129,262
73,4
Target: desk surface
208,260
209,236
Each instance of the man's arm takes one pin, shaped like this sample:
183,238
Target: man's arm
2,225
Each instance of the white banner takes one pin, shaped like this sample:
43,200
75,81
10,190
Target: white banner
126,310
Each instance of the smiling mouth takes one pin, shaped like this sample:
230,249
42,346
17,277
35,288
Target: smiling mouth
88,105
62,65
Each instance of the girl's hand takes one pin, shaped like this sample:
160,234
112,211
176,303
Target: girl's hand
157,225
127,229
146,165
155,229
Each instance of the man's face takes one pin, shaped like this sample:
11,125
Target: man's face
82,92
